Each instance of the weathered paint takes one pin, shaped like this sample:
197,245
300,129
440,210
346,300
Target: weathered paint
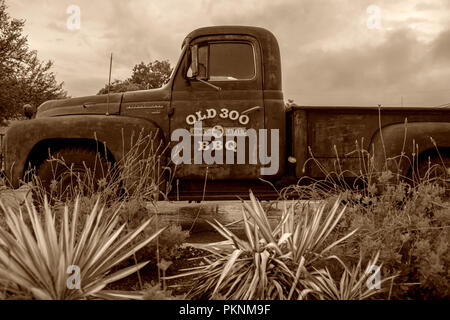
329,131
267,41
82,106
113,131
264,91
344,126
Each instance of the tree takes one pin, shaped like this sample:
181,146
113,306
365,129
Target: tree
144,76
23,78
120,86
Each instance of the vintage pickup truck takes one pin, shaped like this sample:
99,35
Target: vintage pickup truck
228,82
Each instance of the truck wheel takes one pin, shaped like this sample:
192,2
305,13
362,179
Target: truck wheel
71,170
435,169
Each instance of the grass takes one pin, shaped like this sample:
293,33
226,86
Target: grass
401,224
139,174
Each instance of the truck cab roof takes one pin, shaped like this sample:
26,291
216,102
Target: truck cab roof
269,48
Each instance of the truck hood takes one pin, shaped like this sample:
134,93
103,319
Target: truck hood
81,105
91,105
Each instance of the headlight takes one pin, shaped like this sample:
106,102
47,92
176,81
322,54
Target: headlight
29,111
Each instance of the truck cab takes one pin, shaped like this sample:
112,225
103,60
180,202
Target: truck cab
227,80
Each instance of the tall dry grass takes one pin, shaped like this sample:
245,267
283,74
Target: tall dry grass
142,173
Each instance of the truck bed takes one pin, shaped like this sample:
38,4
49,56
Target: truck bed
334,131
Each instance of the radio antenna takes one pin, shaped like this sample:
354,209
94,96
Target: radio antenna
109,84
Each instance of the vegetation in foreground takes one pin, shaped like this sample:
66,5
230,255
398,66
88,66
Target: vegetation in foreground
329,250
281,262
36,258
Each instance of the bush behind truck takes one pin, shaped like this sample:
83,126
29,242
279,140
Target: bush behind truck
222,114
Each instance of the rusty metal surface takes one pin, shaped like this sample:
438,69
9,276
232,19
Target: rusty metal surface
418,138
320,127
267,41
114,131
275,118
190,98
151,105
298,125
371,108
329,127
81,105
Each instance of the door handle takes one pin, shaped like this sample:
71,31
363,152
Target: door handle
251,110
170,111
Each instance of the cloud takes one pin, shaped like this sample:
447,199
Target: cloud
426,6
400,66
59,26
441,48
329,56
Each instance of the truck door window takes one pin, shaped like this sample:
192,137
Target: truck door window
203,62
231,61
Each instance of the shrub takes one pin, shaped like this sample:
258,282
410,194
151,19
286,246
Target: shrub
169,241
274,263
153,291
134,212
406,219
411,230
353,284
35,258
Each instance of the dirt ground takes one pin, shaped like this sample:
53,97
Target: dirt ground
12,198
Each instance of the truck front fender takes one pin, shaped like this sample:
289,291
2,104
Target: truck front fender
409,140
114,132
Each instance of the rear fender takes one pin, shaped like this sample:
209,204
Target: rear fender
410,140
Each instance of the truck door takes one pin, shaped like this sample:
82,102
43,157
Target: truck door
226,99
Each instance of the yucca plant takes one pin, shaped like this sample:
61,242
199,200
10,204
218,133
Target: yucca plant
35,258
271,261
352,285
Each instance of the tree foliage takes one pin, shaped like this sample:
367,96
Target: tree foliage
145,76
23,78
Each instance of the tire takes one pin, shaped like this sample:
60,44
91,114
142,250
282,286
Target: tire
435,169
71,171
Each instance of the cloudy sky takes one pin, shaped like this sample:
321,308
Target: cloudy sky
335,52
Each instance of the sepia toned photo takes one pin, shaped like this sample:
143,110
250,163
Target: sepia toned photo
225,155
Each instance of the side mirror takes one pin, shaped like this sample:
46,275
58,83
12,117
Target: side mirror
194,61
28,111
